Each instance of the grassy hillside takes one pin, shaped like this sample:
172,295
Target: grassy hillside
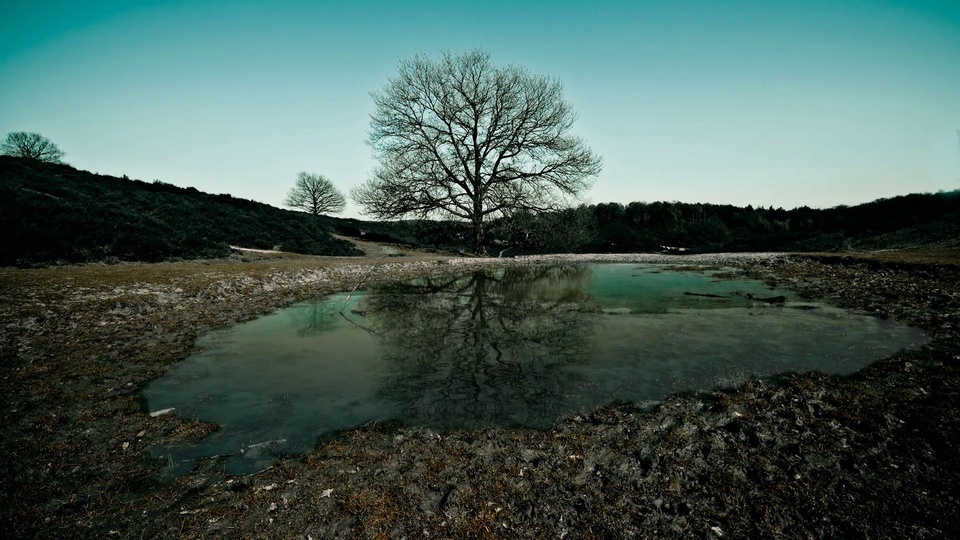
54,213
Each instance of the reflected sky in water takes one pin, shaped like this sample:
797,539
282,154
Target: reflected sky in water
522,347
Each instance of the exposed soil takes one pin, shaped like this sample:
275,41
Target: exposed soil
874,455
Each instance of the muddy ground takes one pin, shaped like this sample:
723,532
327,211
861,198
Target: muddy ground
873,455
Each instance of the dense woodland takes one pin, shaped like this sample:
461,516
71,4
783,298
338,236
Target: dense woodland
898,222
52,213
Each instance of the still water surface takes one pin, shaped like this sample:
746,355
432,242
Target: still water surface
521,346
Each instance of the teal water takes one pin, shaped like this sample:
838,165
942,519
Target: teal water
521,346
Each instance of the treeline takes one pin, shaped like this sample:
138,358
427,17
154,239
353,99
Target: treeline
52,213
903,221
898,222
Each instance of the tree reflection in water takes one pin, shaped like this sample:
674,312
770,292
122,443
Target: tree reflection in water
315,318
485,348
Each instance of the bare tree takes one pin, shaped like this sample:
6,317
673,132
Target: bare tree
316,194
31,145
464,139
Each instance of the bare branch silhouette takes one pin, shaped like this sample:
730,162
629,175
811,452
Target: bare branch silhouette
31,145
464,139
315,194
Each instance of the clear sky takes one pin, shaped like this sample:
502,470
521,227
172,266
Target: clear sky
787,104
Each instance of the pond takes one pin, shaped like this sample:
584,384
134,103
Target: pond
521,346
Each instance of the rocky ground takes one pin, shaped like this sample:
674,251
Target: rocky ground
805,455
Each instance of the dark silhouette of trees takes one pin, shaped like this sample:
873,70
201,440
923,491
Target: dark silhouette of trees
904,221
461,138
31,145
316,194
560,231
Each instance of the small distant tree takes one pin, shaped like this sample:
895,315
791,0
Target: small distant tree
316,194
31,145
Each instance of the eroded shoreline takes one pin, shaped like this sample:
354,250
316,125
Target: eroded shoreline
809,455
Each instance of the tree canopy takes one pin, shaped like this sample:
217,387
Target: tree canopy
464,139
316,194
31,145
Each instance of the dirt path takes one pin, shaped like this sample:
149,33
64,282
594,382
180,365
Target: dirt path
874,455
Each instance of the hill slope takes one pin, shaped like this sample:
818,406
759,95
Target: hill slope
53,213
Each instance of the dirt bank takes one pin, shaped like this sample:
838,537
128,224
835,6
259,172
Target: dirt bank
805,455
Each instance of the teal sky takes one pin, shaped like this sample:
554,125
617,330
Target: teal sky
764,103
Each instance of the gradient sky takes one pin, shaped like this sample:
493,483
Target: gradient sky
787,104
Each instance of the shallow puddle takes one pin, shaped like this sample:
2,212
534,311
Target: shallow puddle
521,346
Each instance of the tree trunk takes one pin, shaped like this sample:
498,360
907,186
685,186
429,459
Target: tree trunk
478,236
